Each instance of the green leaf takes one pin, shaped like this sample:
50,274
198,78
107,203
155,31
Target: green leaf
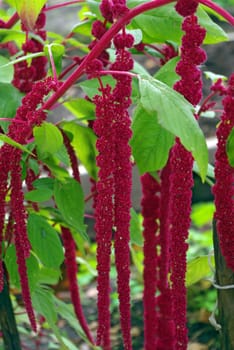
164,24
48,139
39,195
69,199
167,74
136,229
12,268
10,100
198,269
150,141
230,148
4,138
45,241
81,108
43,303
202,214
7,72
84,143
214,33
48,275
56,51
28,11
175,114
83,27
91,86
44,183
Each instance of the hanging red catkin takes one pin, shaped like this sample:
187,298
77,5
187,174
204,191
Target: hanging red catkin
165,322
104,210
72,156
150,211
122,175
71,268
224,174
181,162
20,130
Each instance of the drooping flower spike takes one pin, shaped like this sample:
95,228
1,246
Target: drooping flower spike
224,173
150,212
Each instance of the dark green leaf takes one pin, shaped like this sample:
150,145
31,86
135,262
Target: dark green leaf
12,268
10,100
69,199
43,302
81,108
40,195
175,114
45,241
167,74
150,141
44,183
164,24
136,229
84,143
48,139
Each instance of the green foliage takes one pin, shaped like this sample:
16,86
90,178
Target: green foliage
158,98
69,199
29,10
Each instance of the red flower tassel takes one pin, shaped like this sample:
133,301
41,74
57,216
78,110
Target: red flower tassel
224,173
71,267
150,211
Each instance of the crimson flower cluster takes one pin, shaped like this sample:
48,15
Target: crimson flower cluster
180,178
25,75
151,213
112,202
224,173
20,130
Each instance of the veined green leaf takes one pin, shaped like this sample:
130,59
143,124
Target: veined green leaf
81,108
56,51
150,141
69,199
164,24
48,139
175,114
45,241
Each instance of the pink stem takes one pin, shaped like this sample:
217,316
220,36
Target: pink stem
100,46
13,20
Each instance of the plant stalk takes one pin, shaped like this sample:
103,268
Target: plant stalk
8,325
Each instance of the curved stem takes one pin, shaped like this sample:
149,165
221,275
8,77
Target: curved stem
101,45
13,20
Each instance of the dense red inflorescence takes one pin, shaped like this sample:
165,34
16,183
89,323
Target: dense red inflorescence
20,130
181,164
112,202
224,173
71,268
151,212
